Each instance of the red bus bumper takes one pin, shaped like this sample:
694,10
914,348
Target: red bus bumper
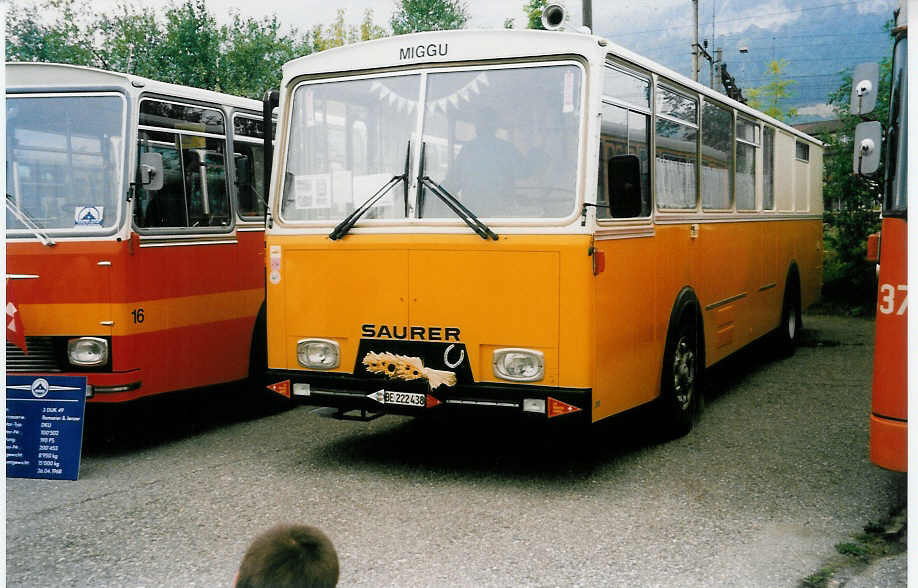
889,443
108,387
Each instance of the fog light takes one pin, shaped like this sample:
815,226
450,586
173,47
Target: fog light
87,351
318,354
534,405
519,365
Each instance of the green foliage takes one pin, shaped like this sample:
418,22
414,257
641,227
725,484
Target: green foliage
190,47
129,40
186,46
851,201
339,33
533,10
413,16
66,39
768,98
253,53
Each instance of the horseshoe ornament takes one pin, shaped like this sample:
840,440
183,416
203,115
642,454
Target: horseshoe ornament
446,360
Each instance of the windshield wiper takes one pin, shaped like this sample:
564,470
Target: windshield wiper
483,230
344,226
27,221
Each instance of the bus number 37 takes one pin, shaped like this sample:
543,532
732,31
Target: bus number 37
888,298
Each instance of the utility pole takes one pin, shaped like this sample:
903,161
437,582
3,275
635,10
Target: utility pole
695,42
588,14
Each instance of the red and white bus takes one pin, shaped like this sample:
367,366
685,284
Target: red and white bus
135,231
889,412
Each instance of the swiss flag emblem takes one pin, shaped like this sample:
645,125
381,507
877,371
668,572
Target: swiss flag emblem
15,333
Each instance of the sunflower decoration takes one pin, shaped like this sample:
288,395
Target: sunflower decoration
402,367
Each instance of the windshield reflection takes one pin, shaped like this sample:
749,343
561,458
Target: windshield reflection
503,141
64,161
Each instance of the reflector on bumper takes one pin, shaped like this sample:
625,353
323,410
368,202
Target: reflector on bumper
558,408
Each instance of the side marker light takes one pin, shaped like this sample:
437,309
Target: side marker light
558,408
282,388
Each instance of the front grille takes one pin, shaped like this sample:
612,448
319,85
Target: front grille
41,357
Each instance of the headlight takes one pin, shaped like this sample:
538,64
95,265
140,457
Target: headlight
87,351
319,354
519,365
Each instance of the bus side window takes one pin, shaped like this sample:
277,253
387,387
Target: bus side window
677,149
249,179
194,192
623,136
716,156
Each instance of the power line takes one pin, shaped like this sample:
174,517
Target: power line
739,18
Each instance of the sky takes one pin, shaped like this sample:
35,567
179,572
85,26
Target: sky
658,29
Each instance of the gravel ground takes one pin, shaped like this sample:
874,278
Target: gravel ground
773,476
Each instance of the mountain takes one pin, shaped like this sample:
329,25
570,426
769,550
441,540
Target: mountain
819,45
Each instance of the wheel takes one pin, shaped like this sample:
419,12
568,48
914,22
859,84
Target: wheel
680,383
787,335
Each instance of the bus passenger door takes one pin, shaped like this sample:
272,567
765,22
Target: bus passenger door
187,279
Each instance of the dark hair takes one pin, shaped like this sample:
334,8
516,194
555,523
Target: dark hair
289,556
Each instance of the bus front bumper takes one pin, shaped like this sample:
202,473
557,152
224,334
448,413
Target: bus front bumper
889,443
348,393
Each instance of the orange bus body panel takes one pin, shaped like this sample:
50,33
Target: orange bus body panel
198,304
888,423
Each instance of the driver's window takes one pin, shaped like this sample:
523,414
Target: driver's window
194,193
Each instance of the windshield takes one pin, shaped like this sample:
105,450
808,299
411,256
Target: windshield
502,141
347,139
64,160
897,165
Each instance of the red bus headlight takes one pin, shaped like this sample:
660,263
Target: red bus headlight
87,351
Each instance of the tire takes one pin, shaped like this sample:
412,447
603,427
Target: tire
787,335
680,384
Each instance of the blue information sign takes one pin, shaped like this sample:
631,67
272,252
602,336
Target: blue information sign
44,426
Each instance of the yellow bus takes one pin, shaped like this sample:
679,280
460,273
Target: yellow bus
542,223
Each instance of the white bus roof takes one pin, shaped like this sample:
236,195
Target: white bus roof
480,45
48,76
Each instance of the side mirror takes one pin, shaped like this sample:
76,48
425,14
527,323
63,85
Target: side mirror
151,171
868,137
864,87
625,186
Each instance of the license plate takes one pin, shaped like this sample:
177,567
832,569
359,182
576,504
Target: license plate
405,399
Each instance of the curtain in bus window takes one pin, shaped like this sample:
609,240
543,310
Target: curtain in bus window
768,171
745,176
676,162
347,139
716,156
64,160
503,141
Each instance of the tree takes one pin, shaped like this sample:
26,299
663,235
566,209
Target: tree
253,52
191,46
412,16
769,98
127,40
65,39
534,9
339,33
851,201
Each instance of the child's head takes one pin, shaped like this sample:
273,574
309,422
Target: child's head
289,556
